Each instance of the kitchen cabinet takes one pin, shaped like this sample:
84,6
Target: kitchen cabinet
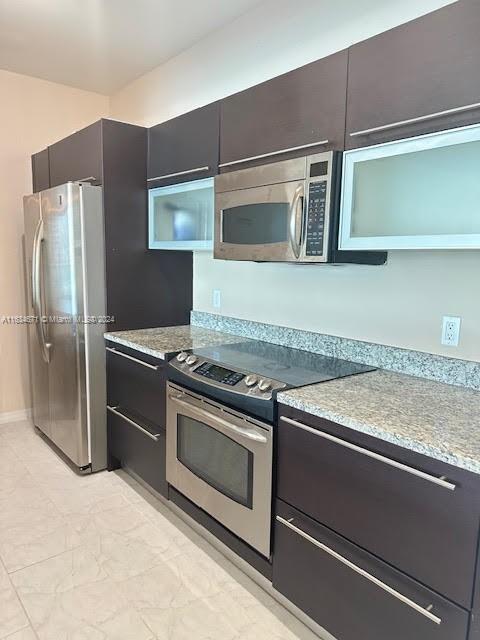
351,593
184,148
136,398
302,111
143,288
78,157
402,81
40,171
415,513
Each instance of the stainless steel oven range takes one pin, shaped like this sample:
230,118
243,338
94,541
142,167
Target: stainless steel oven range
221,405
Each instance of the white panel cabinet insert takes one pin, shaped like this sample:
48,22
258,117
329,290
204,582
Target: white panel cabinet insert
420,193
181,216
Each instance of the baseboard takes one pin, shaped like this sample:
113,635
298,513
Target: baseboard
15,416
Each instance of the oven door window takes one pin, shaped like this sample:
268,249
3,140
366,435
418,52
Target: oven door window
265,223
215,458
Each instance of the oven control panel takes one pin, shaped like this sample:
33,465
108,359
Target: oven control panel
219,374
237,381
315,232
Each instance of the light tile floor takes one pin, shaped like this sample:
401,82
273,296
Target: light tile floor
99,558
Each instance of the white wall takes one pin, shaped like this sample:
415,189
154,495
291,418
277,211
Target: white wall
33,114
400,303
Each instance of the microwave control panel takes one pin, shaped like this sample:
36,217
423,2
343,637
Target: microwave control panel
315,233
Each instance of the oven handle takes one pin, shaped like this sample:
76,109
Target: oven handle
246,433
295,227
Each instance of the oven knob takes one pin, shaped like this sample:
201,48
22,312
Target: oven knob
182,356
251,381
191,360
264,385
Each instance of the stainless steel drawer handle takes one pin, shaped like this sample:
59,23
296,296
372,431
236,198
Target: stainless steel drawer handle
441,482
403,123
396,594
125,355
207,416
153,436
275,153
178,173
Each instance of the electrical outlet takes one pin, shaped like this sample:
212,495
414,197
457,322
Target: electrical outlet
217,298
451,331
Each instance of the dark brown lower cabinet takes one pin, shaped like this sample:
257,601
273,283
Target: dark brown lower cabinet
136,391
138,445
351,593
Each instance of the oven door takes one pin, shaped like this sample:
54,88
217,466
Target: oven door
222,461
262,223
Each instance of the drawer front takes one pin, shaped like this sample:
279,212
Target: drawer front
138,446
352,594
415,522
136,382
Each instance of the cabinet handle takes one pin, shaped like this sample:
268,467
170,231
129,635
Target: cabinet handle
371,454
125,355
178,173
89,179
413,605
153,436
402,123
274,153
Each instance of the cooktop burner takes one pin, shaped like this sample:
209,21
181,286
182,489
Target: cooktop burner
293,367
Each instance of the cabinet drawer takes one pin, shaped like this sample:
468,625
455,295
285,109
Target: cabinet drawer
386,499
138,445
136,382
352,594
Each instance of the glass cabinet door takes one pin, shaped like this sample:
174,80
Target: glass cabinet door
422,193
181,216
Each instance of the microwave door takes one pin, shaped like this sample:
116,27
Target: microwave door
261,224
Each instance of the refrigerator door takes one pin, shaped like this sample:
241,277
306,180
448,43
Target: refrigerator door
62,233
35,286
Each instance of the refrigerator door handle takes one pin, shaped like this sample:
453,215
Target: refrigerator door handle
36,290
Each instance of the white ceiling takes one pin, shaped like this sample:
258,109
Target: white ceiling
102,45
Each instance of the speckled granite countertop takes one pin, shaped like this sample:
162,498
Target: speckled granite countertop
438,420
162,341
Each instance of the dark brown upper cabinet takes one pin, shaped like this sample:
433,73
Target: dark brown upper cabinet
402,81
184,148
77,157
299,112
40,171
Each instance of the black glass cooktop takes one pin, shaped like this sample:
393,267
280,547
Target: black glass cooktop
294,367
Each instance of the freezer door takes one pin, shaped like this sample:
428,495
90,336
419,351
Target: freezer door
35,287
63,259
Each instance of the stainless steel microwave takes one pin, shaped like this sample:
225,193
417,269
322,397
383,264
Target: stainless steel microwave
286,211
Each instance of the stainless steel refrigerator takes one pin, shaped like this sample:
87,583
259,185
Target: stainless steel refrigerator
64,253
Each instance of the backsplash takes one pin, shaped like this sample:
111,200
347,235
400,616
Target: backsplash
416,363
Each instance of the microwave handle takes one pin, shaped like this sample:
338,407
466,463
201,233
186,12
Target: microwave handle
296,221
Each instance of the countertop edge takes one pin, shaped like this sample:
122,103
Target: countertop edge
161,355
467,464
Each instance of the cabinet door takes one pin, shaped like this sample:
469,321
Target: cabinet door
352,594
184,148
77,157
414,73
40,171
417,514
136,382
140,446
300,112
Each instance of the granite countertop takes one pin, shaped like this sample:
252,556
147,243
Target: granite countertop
162,341
438,420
